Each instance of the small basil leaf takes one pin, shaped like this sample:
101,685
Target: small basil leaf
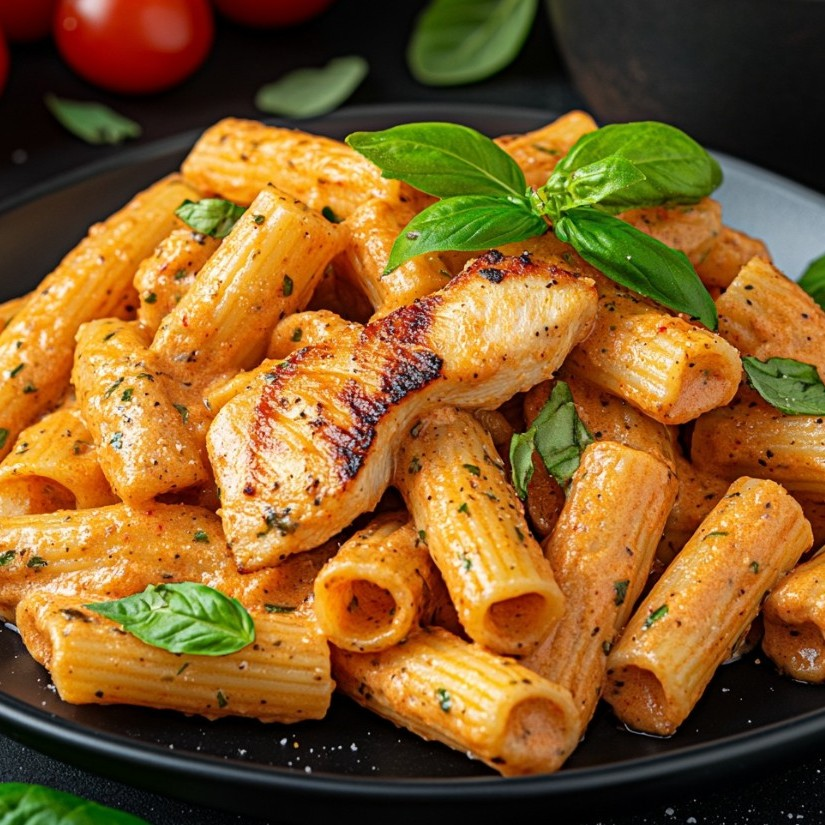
521,460
211,216
791,386
635,260
463,41
311,92
21,803
675,168
559,436
183,618
470,223
598,181
93,122
442,159
813,280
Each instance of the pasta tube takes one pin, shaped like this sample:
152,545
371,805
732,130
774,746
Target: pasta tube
371,231
237,158
265,269
112,551
459,693
93,280
304,329
703,603
794,622
142,421
601,553
164,277
751,437
765,314
379,587
283,677
53,466
468,513
731,250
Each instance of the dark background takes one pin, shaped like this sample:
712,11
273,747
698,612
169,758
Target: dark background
34,149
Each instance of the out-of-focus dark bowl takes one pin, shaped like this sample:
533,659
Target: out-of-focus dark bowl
743,76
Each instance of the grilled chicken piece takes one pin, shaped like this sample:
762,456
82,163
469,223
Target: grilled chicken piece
311,444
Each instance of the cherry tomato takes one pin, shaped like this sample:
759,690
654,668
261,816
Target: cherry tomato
25,21
4,62
134,46
271,13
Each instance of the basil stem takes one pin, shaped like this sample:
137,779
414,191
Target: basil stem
793,387
184,617
462,41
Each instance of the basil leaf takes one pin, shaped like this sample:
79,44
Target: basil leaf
674,167
310,92
469,223
462,41
21,803
183,618
813,280
596,183
635,260
442,159
791,386
211,216
559,436
93,122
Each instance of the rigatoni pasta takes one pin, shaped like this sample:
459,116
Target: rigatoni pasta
273,415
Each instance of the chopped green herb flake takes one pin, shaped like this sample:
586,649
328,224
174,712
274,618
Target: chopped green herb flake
330,215
112,388
7,557
201,535
117,440
445,701
297,334
715,533
92,122
621,591
259,219
754,565
211,216
16,370
422,536
184,412
4,434
472,469
28,387
464,508
657,614
36,562
279,608
126,395
414,466
288,286
150,298
222,700
180,274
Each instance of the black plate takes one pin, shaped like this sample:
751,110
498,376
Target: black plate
352,762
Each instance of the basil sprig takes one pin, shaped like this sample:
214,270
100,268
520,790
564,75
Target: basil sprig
184,617
210,216
791,386
813,280
21,802
485,200
559,436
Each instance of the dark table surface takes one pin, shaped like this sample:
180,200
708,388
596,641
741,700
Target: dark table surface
34,150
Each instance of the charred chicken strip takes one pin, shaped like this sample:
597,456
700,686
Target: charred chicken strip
311,444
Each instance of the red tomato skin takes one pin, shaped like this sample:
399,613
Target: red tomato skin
4,62
134,46
25,21
271,13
